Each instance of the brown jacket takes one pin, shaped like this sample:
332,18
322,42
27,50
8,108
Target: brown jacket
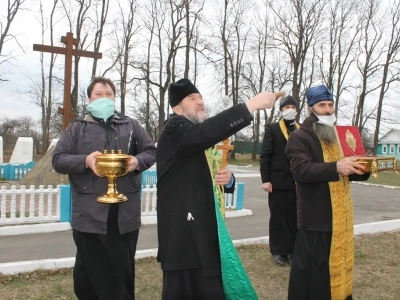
312,174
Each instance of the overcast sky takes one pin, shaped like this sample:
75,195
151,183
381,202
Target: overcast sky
12,103
26,65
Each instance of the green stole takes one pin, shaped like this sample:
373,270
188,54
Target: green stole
235,281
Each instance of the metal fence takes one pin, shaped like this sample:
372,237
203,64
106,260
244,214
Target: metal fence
15,171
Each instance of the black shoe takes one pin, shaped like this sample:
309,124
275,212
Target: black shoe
290,259
280,260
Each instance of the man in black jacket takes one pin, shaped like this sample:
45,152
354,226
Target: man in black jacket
278,182
105,235
186,217
323,261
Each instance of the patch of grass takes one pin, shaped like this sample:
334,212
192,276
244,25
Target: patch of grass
386,178
377,271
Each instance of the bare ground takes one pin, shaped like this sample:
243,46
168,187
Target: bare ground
377,274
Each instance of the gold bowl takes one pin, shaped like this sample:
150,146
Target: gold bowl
112,165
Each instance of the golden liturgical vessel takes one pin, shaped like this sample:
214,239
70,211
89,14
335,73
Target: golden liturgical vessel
112,165
351,145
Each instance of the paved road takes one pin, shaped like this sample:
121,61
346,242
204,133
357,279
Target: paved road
371,204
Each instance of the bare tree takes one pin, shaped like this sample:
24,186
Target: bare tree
339,51
150,26
145,118
391,72
297,27
12,128
254,71
8,130
46,101
80,22
160,72
6,19
369,54
233,36
99,24
122,40
193,10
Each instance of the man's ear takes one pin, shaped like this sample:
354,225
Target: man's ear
310,112
177,110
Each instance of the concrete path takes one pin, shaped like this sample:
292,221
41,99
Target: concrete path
371,204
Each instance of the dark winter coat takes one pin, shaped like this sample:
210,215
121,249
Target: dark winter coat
184,186
85,136
274,165
312,174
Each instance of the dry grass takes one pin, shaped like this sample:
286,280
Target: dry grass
377,274
386,178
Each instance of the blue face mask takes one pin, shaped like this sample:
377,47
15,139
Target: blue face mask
101,108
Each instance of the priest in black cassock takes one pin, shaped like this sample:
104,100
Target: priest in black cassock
278,182
187,222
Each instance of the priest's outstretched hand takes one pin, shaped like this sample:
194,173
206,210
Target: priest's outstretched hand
262,100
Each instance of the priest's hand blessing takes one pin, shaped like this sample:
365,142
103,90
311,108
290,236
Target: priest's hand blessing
262,100
348,165
223,176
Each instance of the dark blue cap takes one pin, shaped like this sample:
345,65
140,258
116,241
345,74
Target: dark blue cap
317,94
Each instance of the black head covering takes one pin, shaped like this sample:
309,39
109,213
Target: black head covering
288,100
179,90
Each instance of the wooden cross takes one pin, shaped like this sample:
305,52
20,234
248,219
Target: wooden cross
68,51
225,147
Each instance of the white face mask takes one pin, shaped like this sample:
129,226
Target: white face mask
326,120
289,114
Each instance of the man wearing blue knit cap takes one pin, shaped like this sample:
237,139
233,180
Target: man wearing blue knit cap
323,260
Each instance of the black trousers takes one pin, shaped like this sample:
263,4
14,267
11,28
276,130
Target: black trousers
105,263
282,222
191,285
309,275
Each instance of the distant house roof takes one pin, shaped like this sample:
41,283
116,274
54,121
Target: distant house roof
392,136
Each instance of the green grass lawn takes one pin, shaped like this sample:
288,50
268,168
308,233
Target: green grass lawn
385,178
376,275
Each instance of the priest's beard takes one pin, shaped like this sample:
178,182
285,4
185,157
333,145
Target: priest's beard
325,133
197,119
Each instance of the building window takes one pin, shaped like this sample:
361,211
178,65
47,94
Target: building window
391,149
383,149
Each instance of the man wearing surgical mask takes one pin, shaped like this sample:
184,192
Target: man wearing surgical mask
323,260
279,183
105,235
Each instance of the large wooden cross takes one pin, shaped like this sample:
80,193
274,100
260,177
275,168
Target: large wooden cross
225,147
68,51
